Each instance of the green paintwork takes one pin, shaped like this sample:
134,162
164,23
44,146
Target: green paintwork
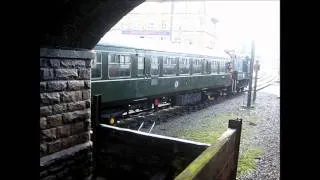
121,89
145,86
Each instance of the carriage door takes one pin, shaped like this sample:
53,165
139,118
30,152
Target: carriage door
154,70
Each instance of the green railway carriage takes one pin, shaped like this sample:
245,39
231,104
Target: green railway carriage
241,68
130,78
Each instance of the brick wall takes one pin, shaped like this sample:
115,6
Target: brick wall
64,112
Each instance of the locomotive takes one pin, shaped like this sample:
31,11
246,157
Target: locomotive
131,78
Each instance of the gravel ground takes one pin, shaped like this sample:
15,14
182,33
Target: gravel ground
267,135
261,129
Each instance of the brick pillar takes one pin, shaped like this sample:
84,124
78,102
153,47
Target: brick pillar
65,146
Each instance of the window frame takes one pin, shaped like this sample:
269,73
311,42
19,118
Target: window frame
215,65
169,61
188,63
100,77
199,64
144,66
119,55
151,62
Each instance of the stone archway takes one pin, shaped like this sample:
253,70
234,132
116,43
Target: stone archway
80,23
70,29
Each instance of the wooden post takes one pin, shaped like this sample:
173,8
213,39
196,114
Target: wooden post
95,120
237,125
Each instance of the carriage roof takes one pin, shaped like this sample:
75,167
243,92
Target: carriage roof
154,45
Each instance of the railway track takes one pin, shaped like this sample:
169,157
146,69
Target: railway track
145,120
265,81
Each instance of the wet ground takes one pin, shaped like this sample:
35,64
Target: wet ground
261,131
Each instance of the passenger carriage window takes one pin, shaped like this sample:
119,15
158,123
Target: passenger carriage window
119,66
207,67
245,65
169,66
154,65
96,66
240,65
218,66
197,66
166,61
184,66
173,61
223,66
214,66
140,66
